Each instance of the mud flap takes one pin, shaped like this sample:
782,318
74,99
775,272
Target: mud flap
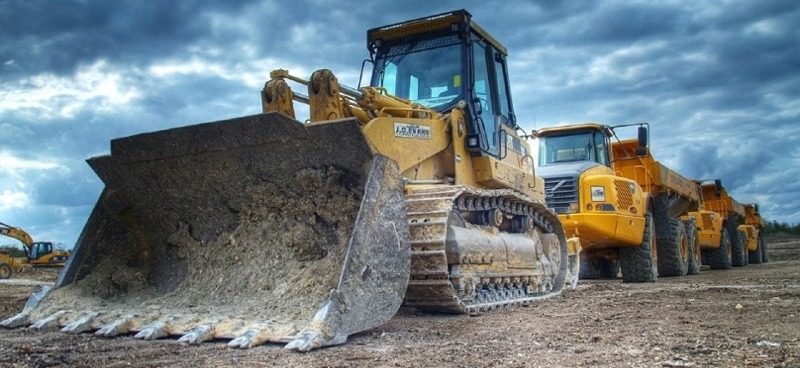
574,261
254,229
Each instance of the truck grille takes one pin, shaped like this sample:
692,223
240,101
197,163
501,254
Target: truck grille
708,221
560,192
625,199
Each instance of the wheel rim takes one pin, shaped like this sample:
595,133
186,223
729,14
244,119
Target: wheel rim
684,249
653,250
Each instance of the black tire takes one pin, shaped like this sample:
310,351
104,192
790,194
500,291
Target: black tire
762,244
640,264
720,258
738,249
743,236
5,271
756,256
661,221
673,251
695,258
599,268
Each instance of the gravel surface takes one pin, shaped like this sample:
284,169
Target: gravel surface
743,317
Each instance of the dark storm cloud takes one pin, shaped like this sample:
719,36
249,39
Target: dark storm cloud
718,83
59,36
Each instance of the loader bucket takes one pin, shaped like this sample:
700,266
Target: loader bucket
256,229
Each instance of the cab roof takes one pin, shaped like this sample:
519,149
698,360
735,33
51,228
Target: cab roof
439,22
573,127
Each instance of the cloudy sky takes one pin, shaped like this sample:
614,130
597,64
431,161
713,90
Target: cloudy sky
719,82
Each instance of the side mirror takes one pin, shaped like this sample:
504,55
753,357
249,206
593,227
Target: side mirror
642,136
363,66
718,187
642,149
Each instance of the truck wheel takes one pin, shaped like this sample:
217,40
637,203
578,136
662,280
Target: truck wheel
5,271
738,249
599,268
720,258
743,239
694,247
640,264
756,256
762,244
673,251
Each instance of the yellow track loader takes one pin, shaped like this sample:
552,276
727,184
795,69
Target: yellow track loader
416,189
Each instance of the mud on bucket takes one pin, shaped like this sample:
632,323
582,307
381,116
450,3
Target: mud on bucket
254,229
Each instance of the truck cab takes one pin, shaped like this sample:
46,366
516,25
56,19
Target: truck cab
603,209
606,211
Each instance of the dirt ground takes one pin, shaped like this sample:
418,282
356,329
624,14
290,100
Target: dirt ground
743,317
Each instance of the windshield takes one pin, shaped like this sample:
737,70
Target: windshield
586,146
427,72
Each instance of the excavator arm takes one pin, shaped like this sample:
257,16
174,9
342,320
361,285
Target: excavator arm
16,233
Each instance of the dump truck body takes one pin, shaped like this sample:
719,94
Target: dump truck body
655,177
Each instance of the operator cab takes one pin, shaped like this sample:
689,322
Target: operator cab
443,62
39,249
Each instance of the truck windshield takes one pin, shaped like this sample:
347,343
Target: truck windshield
426,71
576,146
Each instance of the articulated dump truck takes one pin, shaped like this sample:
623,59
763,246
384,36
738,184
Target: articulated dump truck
752,227
630,211
609,213
416,189
732,225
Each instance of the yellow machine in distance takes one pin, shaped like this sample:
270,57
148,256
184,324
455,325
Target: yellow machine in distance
727,214
39,254
753,226
692,224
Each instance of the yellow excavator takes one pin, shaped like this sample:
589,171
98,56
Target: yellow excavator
416,189
38,254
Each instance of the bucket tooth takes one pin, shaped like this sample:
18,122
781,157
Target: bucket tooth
18,320
50,323
322,331
254,336
82,324
24,318
199,334
155,330
117,327
314,339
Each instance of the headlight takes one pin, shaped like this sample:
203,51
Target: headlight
598,193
